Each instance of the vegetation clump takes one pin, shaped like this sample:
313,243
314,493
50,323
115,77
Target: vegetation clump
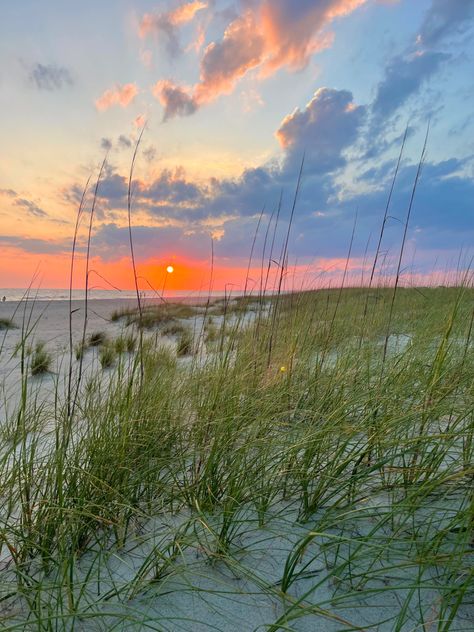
125,344
185,345
107,356
7,323
154,315
41,359
97,338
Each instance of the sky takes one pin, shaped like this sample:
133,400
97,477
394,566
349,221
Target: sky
231,98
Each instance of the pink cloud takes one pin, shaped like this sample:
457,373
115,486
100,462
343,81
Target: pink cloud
119,95
225,62
270,35
140,121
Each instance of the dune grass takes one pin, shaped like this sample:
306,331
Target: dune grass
316,466
41,359
7,323
150,316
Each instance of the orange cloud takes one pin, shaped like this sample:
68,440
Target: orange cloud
154,23
119,95
225,62
199,40
292,35
269,36
186,12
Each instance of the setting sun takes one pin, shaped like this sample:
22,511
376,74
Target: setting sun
170,269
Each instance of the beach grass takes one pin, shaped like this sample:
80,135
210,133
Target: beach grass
41,359
6,323
313,470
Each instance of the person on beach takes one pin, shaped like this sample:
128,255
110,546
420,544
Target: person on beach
4,298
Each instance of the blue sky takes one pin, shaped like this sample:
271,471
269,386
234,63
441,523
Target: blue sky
233,94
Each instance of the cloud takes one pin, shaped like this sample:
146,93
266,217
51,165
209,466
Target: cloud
442,217
444,18
177,212
223,63
176,100
323,130
267,36
114,188
35,246
167,24
404,76
406,73
119,95
186,12
106,144
124,141
293,31
113,241
149,153
8,193
140,121
30,207
50,77
172,187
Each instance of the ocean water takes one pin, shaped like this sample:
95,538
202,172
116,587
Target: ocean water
45,294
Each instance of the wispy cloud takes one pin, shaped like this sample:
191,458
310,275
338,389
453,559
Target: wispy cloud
8,193
50,77
106,144
30,207
408,72
121,95
166,24
445,18
404,76
176,100
27,205
124,141
35,246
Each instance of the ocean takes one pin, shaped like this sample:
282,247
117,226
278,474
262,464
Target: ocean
44,294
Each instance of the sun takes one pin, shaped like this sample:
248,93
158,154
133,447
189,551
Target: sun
170,269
